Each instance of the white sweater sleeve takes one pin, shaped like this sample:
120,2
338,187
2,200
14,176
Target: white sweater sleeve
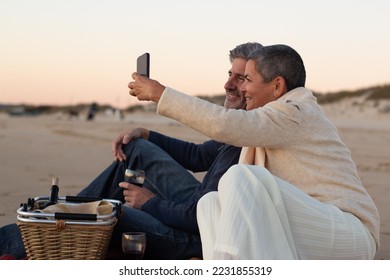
273,124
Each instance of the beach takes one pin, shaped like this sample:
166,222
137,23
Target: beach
36,148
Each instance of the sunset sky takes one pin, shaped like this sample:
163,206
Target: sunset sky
71,51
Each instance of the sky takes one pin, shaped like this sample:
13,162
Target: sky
65,52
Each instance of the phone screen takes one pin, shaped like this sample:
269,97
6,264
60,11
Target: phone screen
143,64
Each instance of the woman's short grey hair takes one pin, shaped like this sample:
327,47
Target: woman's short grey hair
243,50
280,60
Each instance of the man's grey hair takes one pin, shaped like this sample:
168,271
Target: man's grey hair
280,60
243,50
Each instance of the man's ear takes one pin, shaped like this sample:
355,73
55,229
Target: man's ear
280,86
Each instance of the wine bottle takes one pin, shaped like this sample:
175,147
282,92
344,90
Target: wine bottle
53,198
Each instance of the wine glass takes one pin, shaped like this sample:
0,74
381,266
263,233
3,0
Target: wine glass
133,245
136,177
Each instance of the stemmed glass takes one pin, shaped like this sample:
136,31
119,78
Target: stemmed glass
136,177
133,245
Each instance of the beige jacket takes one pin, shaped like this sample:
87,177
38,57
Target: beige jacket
301,145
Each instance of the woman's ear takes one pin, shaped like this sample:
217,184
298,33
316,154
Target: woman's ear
280,86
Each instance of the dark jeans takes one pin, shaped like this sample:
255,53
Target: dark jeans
164,176
11,241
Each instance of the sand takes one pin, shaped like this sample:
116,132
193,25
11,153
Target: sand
34,149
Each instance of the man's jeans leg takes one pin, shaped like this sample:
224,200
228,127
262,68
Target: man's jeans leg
11,241
164,176
167,179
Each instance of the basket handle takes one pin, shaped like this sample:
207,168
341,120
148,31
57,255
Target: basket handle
72,198
75,216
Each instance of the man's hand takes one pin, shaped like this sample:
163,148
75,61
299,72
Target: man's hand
124,138
135,196
145,89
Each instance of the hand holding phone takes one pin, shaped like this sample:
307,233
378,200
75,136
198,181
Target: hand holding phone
143,64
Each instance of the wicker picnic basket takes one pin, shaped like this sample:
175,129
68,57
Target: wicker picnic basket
66,236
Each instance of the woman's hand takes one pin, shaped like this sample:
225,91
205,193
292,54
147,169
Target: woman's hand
124,138
145,89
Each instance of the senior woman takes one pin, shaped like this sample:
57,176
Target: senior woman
296,193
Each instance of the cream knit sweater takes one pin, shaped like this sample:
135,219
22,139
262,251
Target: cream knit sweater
301,145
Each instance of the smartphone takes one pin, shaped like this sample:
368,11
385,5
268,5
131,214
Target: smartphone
143,64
